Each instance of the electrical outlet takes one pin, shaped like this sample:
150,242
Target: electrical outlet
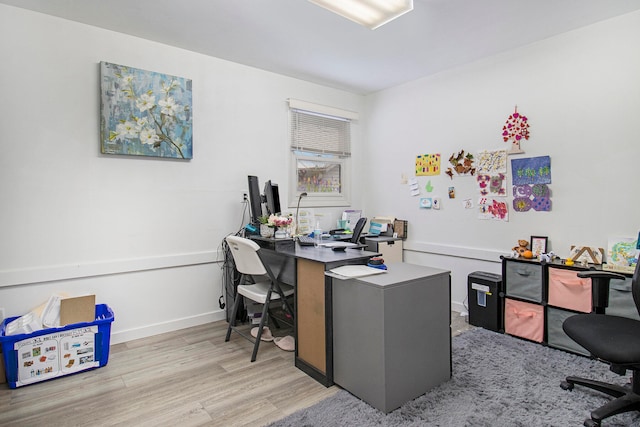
245,196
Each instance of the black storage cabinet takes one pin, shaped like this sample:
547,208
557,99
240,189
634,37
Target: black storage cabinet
485,301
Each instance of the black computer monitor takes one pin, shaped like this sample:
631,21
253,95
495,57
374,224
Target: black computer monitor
272,197
255,199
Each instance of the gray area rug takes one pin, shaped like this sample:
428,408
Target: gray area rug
498,380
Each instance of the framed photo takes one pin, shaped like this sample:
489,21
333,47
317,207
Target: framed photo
538,245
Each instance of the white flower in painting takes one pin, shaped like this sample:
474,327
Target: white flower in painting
168,88
126,130
169,106
145,102
127,79
148,136
141,122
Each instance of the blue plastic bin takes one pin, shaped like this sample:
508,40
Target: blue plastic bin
55,352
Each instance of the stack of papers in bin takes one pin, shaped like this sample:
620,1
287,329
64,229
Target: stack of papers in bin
356,270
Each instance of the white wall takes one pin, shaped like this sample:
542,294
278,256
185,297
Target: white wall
141,233
581,93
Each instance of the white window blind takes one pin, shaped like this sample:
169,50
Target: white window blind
317,133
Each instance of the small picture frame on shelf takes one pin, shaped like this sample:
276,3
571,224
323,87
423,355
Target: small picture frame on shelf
538,245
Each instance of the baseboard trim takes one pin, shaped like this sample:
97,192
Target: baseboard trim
146,331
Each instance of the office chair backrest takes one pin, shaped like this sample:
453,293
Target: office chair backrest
357,230
635,286
245,255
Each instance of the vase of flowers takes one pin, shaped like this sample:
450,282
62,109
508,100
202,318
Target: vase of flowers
266,229
274,225
281,224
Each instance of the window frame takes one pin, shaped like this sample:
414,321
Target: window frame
319,199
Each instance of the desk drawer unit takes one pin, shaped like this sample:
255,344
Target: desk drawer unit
621,300
556,336
567,290
524,319
523,280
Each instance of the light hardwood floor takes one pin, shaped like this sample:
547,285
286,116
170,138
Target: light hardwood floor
189,377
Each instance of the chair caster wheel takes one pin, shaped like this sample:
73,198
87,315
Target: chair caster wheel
591,423
567,386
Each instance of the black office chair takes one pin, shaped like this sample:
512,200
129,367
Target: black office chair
357,231
612,339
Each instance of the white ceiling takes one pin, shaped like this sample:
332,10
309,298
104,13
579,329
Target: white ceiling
299,39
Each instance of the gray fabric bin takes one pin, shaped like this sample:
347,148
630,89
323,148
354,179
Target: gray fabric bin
523,280
621,300
556,336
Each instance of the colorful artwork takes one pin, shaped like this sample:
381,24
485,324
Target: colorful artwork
492,185
515,130
462,164
428,164
489,208
426,202
492,161
532,170
527,197
622,254
144,113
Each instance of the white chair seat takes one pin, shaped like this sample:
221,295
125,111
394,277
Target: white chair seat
258,291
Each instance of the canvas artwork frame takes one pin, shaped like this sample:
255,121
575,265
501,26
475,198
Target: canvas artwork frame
145,113
538,245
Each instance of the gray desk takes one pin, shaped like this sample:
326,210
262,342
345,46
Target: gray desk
304,267
392,334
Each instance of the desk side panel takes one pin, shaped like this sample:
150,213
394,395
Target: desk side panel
310,297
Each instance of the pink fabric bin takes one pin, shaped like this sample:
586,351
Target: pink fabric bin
524,319
567,290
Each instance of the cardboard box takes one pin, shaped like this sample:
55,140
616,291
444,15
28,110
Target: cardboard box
400,228
77,309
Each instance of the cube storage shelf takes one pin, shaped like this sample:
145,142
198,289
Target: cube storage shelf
55,352
538,297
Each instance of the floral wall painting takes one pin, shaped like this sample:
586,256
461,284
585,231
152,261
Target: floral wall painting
144,113
427,164
515,130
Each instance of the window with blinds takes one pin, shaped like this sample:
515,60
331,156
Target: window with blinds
321,148
319,134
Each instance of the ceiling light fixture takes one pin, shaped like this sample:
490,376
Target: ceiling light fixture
370,13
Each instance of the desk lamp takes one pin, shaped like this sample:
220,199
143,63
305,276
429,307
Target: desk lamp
298,211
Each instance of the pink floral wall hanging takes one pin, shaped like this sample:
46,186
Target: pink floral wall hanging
515,130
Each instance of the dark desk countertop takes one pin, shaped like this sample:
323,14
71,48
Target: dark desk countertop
326,255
